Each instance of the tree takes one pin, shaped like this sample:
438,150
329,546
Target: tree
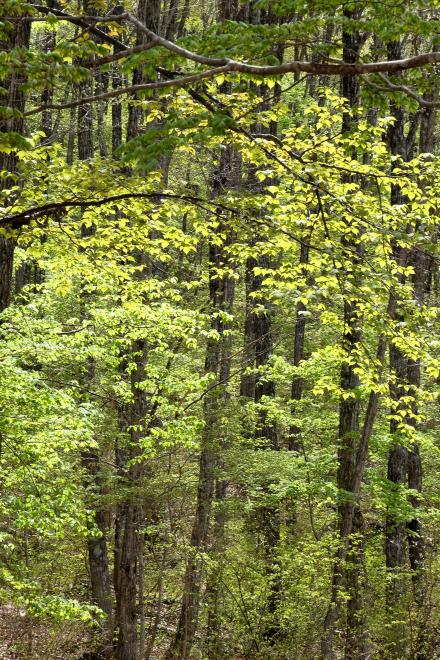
204,449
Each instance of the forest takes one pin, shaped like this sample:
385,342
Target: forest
219,321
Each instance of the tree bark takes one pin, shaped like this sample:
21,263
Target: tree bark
395,535
129,542
12,96
422,264
349,435
148,12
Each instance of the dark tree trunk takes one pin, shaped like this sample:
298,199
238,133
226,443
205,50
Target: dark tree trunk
294,440
97,551
264,385
148,12
102,84
47,94
72,129
422,265
7,247
11,96
350,438
416,546
214,588
395,536
356,643
116,114
128,541
267,516
247,381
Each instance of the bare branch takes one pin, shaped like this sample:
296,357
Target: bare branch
119,55
315,68
24,218
132,89
81,22
391,87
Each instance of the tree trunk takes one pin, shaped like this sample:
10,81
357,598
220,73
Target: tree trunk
100,580
247,380
128,542
349,407
148,12
129,516
294,440
217,363
395,534
11,96
422,265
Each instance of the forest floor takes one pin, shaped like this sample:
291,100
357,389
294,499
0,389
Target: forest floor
22,638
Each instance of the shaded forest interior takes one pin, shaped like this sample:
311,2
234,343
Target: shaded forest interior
219,320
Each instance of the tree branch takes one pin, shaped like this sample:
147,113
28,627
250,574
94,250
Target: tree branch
82,22
315,68
24,218
391,87
312,68
131,89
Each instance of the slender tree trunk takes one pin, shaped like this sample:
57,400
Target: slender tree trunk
47,94
422,265
397,470
100,579
247,380
102,84
148,12
214,587
116,114
129,517
294,440
72,129
214,583
356,643
217,363
268,516
264,385
416,546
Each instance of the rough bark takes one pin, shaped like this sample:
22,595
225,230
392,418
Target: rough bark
247,380
149,15
416,546
129,541
395,534
11,96
116,114
214,587
349,435
422,264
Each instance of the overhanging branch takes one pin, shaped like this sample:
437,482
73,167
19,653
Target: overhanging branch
23,218
312,68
